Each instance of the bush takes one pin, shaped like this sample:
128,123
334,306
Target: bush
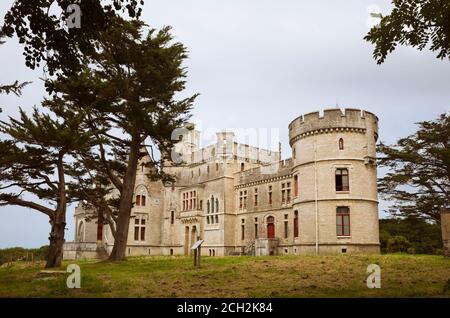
411,250
423,236
398,244
21,254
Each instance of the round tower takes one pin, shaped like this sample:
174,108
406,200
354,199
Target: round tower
335,181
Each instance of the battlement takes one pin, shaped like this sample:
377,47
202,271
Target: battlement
334,118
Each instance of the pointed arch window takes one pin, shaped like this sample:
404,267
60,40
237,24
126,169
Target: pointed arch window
341,144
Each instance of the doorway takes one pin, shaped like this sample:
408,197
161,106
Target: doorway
270,227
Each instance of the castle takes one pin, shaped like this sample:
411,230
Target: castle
244,200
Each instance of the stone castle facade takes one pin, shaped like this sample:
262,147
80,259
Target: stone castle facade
243,200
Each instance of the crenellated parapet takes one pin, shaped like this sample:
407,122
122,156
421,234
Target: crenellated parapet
333,120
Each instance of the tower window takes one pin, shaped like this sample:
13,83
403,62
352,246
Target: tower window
270,194
242,166
342,221
341,144
295,185
172,217
342,180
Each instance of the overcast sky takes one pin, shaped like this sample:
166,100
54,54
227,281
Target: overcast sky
260,64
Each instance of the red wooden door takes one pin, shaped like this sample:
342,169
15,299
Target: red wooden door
270,230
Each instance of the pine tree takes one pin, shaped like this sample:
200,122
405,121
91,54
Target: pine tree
418,182
34,156
130,87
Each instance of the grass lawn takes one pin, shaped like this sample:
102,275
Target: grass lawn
281,276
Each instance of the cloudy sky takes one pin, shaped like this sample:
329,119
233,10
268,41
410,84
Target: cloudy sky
260,64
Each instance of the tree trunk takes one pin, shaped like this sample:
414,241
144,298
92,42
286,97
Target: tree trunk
58,220
56,238
126,203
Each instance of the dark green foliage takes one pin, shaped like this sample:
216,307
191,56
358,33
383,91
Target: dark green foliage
131,84
418,181
35,155
20,253
47,38
398,244
412,235
417,23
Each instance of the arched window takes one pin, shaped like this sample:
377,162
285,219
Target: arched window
217,205
208,208
341,144
138,200
212,204
141,195
242,166
172,217
80,234
270,227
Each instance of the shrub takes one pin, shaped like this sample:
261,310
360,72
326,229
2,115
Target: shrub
398,244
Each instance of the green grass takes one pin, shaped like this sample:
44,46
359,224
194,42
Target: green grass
281,276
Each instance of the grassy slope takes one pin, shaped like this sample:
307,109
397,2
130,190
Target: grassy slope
283,276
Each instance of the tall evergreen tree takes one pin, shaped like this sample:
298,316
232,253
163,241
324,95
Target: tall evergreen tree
418,181
130,86
34,156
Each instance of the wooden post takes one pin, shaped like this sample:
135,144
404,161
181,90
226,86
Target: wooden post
199,253
195,258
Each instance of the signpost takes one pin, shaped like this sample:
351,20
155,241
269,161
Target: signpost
197,251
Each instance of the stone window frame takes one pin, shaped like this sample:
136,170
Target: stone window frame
140,224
